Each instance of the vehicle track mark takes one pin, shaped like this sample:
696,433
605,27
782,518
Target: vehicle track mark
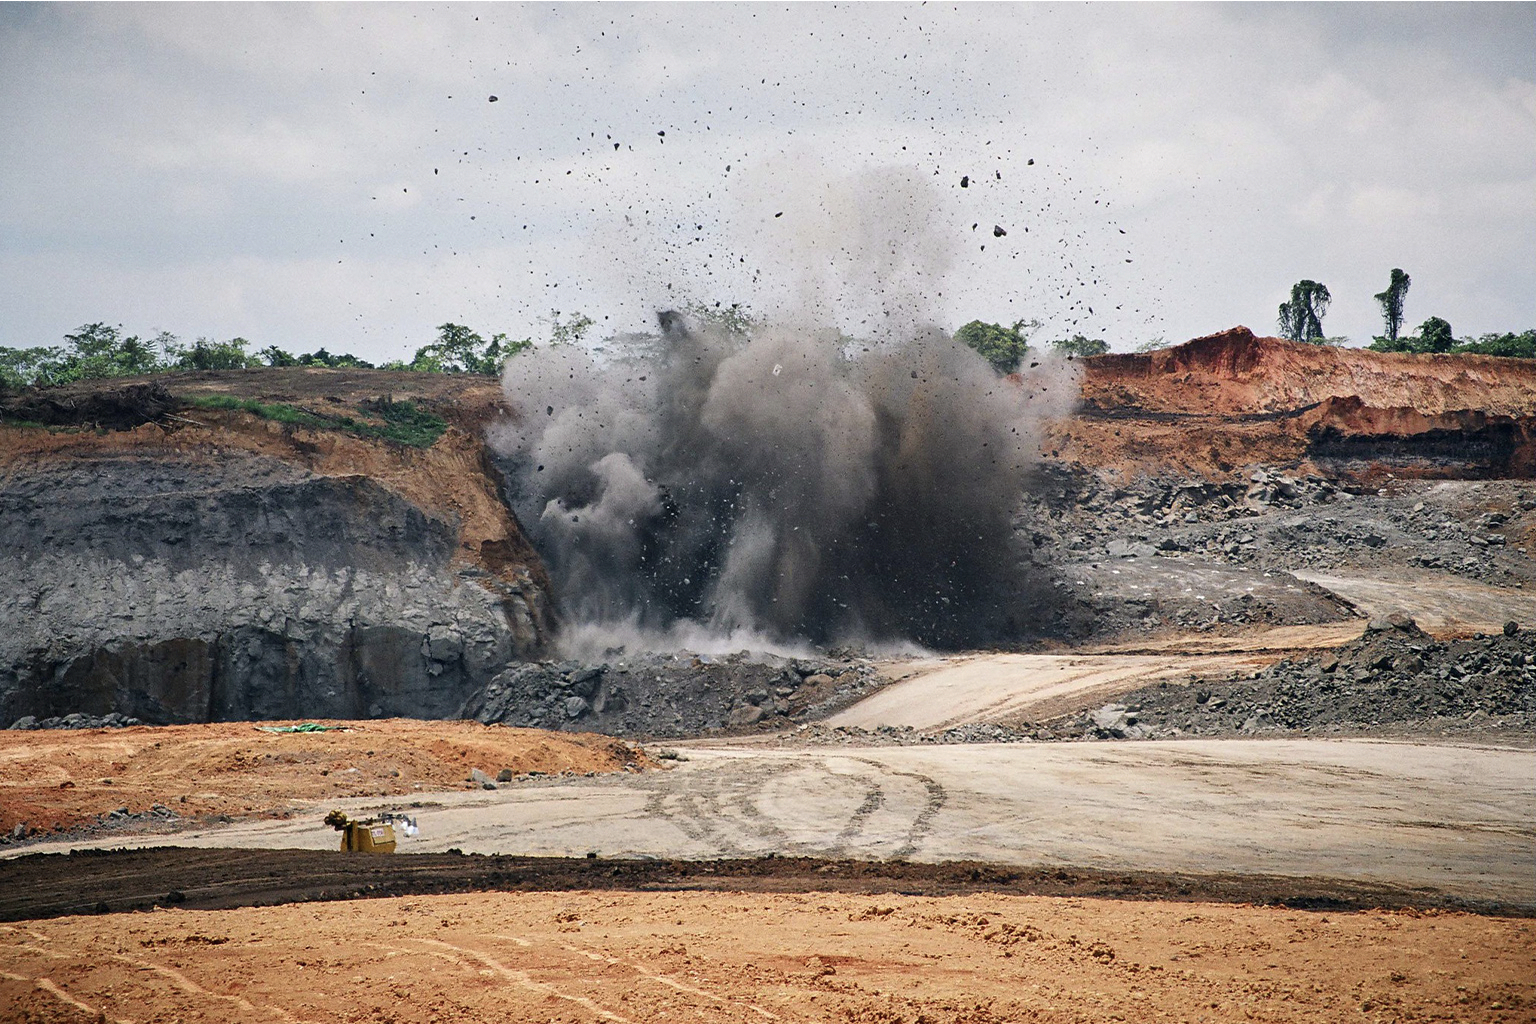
527,981
47,985
922,825
669,981
874,799
699,811
191,987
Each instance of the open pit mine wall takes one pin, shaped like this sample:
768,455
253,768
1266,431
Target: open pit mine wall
1229,401
176,585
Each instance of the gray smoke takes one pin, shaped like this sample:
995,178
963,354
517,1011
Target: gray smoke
781,485
796,485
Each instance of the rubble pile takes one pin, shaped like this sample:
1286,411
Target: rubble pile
111,720
1281,522
1394,678
671,694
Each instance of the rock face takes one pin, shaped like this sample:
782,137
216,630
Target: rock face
232,570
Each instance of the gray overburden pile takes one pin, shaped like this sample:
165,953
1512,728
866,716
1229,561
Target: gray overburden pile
1394,678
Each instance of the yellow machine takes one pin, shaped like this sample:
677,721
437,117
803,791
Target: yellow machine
367,836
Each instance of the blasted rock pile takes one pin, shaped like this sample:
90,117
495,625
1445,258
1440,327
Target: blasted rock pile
111,720
1394,676
669,695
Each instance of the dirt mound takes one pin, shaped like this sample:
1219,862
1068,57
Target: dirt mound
118,881
671,695
57,780
115,408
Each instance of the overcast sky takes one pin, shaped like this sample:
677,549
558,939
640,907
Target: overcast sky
337,175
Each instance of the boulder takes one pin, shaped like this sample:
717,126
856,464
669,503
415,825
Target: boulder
747,714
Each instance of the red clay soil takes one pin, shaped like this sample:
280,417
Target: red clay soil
1235,373
60,778
1219,405
637,958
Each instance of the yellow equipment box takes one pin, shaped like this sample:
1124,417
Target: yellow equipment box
368,836
364,838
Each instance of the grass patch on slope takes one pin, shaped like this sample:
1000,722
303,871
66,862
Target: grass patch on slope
404,423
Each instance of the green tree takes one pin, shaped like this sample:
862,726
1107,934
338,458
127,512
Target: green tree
461,350
343,360
1301,319
207,354
569,331
1003,347
1514,346
1435,336
733,319
20,367
1077,345
1391,302
95,351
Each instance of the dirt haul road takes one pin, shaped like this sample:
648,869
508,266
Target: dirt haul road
1008,688
1453,819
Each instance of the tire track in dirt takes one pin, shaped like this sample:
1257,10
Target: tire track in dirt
47,984
191,987
922,825
171,974
670,982
874,799
730,799
525,980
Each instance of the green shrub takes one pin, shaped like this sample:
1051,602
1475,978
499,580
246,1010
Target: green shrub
404,423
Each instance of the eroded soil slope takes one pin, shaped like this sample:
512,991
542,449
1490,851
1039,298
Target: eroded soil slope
1232,401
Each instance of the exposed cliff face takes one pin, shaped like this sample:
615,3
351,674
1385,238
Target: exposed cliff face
1221,405
215,565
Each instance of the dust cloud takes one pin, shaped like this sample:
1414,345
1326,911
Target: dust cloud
788,484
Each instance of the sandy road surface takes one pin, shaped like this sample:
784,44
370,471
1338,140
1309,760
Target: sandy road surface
939,693
1439,603
721,957
1461,820
1009,688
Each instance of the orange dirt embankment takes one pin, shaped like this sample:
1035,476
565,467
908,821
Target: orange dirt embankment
453,480
633,958
63,777
1219,405
1235,373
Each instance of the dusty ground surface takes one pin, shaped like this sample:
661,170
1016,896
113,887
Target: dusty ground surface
795,957
1212,509
1454,821
943,693
57,780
